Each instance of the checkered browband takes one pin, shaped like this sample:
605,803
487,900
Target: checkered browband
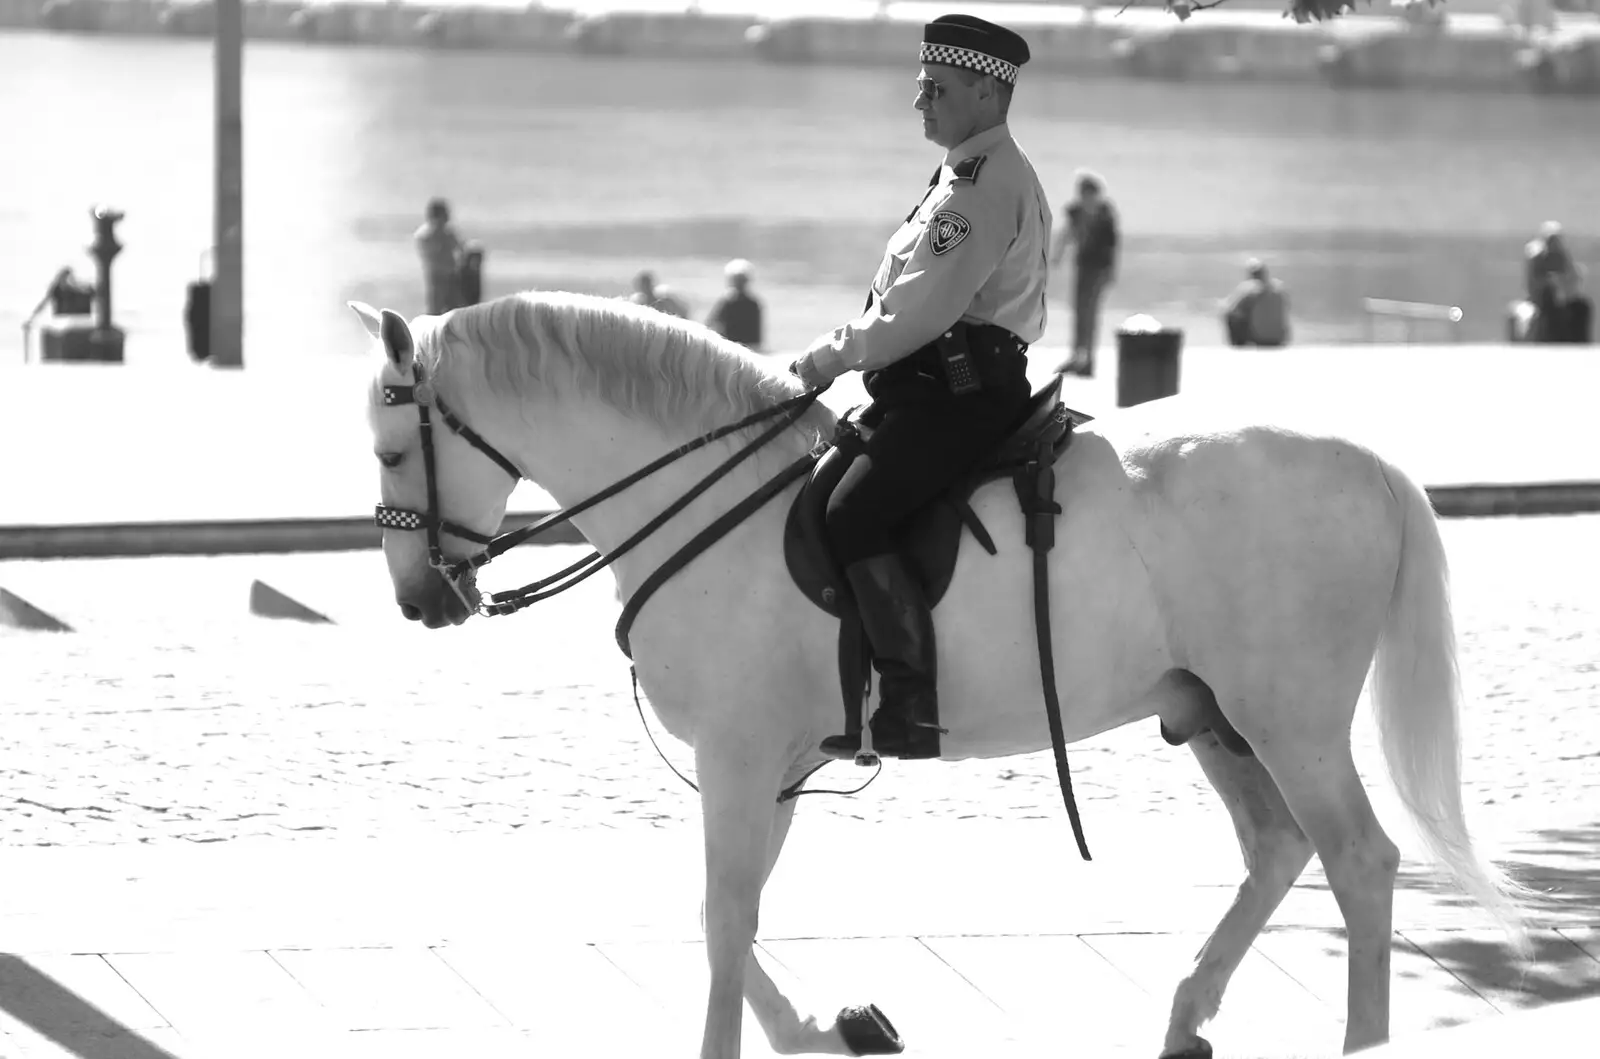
390,518
948,55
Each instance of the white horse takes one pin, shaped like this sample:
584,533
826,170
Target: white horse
1267,568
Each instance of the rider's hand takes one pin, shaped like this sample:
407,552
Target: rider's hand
803,369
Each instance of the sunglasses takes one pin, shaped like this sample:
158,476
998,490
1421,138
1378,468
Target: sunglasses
929,89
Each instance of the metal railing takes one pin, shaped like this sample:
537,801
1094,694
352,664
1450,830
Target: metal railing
1382,313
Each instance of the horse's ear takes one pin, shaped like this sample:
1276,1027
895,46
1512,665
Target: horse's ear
369,317
397,340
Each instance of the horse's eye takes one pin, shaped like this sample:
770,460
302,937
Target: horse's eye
391,460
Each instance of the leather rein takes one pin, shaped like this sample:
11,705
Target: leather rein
460,574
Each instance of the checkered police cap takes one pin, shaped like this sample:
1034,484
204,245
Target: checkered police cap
962,40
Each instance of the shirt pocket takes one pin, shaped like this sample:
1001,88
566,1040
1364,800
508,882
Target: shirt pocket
901,246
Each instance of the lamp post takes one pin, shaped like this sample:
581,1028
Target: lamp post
227,295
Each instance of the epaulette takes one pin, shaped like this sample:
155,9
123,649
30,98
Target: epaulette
967,168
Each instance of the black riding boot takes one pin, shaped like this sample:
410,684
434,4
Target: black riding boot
899,625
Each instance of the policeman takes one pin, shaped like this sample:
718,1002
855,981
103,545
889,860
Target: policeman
957,299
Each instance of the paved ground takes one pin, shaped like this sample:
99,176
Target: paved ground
365,835
224,836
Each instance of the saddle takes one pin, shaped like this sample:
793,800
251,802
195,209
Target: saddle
932,538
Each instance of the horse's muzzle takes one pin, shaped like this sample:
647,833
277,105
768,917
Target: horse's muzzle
435,603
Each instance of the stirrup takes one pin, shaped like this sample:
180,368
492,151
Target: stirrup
866,757
859,748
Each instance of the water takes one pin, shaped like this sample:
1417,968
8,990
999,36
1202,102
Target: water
577,171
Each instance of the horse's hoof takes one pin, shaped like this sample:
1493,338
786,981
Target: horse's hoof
868,1031
1200,1049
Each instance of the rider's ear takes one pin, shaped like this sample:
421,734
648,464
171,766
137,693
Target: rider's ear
397,340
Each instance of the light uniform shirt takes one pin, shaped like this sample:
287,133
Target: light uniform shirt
974,250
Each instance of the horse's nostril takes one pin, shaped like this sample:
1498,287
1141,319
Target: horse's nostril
411,611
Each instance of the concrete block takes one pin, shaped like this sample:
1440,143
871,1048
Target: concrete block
268,602
18,613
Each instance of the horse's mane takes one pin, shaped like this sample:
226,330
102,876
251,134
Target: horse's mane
639,361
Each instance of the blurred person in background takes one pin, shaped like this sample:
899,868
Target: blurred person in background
737,313
1091,230
942,345
1554,286
1257,312
657,296
442,257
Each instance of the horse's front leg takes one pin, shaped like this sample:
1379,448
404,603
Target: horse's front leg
854,1031
739,774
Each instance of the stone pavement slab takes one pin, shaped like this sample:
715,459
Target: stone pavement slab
1266,1010
1058,986
560,944
1552,1030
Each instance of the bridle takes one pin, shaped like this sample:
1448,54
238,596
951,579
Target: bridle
460,574
423,395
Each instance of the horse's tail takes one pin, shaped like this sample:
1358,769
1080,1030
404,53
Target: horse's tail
1416,694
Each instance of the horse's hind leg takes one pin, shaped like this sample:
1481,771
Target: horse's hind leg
1319,781
1275,852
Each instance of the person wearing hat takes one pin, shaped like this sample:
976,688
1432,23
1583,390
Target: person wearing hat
737,314
1257,312
942,343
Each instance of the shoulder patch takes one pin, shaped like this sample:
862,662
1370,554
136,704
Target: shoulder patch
946,230
968,168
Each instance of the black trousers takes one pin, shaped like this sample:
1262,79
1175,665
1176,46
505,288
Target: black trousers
925,439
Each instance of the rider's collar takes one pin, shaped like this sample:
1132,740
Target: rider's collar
982,143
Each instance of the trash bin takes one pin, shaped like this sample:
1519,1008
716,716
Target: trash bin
197,319
1147,361
197,310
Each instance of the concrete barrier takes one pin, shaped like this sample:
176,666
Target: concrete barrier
222,537
1501,500
268,602
289,536
18,613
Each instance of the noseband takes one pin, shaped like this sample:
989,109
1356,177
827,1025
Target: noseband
459,574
